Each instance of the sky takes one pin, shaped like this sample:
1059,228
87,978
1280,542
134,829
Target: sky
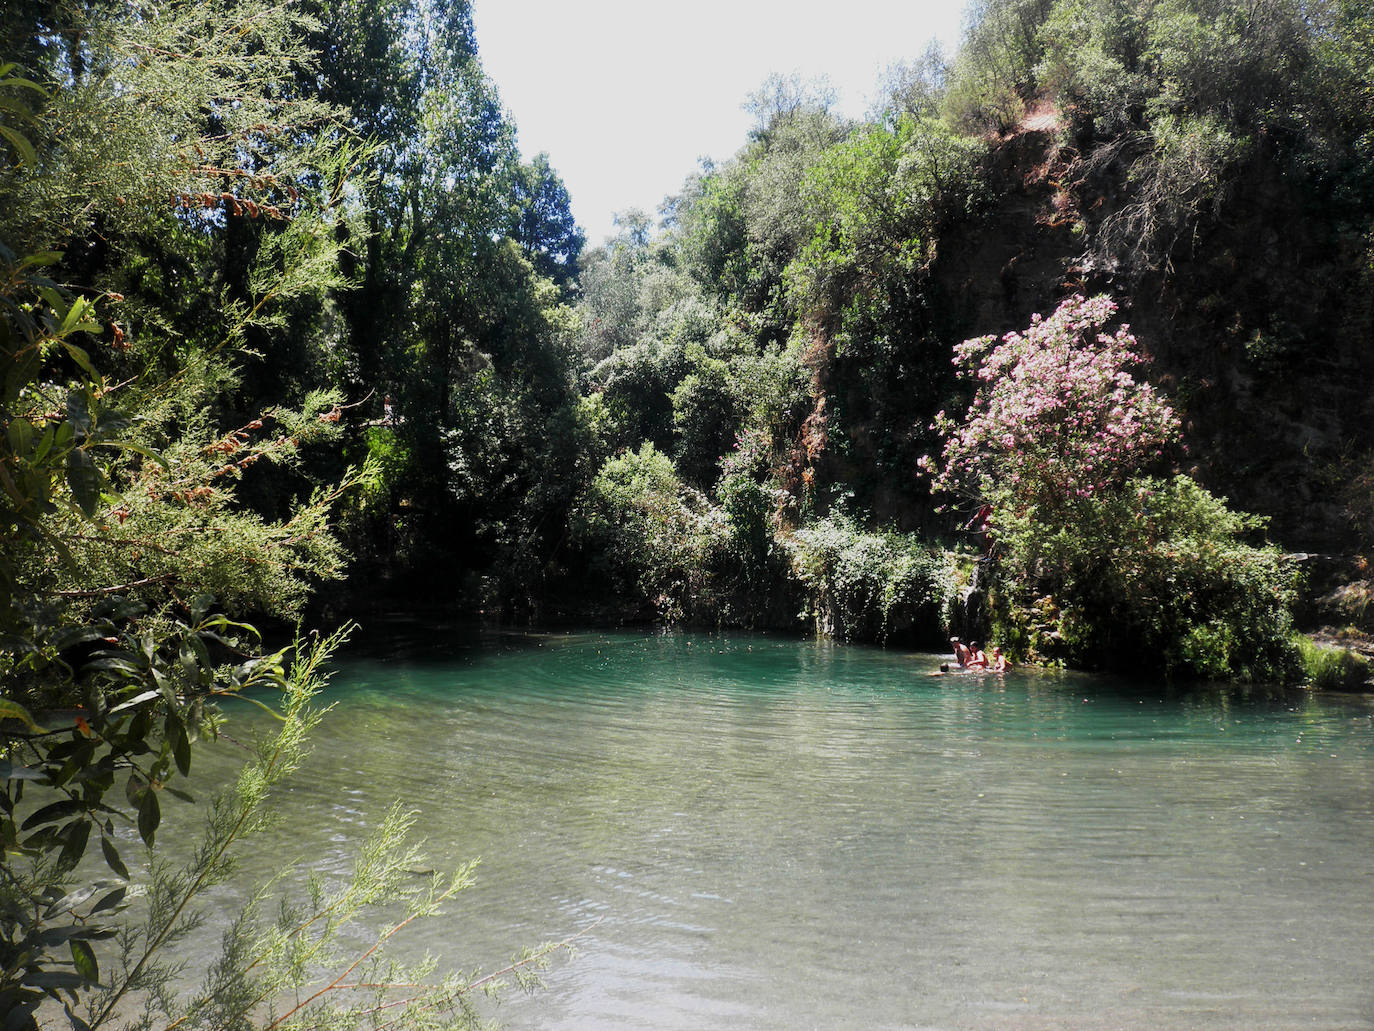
627,96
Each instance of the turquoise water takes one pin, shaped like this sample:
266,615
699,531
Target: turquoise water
767,833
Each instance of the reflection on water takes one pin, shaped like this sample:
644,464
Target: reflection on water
784,834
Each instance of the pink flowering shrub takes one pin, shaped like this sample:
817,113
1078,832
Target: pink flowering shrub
1056,414
1096,563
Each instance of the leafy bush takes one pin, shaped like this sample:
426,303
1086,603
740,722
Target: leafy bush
994,75
1095,563
865,585
649,535
1332,669
1152,575
873,204
1056,415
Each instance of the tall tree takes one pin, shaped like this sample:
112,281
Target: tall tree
544,224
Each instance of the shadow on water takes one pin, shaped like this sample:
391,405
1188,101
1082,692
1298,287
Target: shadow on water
423,637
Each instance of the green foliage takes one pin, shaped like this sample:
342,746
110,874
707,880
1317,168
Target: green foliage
283,962
914,89
1092,63
707,409
146,698
1187,99
544,225
99,550
627,286
17,100
192,105
1327,668
712,233
1153,575
861,288
650,534
1092,562
866,586
123,526
993,77
874,203
637,381
738,225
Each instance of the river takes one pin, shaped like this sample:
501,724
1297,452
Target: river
767,833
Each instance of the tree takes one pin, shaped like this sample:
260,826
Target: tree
1095,562
127,562
994,76
914,89
650,533
1056,414
544,224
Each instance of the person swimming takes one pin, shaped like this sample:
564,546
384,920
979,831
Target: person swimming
962,655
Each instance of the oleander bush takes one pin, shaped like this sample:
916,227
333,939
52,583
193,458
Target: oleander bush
1096,562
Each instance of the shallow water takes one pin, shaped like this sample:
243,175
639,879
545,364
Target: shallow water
790,834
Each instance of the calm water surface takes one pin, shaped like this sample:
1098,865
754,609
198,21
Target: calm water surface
780,834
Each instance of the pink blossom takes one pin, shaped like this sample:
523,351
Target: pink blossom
1055,412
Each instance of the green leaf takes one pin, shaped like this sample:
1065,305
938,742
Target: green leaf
71,636
112,859
75,834
110,901
39,258
21,433
18,81
79,410
21,145
200,605
57,301
85,480
181,749
54,812
202,652
84,958
78,354
137,784
73,322
62,935
137,699
117,665
149,816
23,370
187,656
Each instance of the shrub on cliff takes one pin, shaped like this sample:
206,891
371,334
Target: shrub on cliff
1096,562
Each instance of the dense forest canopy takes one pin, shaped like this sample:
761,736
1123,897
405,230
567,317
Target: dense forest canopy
1068,341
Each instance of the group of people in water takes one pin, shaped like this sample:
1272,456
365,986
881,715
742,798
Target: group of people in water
972,658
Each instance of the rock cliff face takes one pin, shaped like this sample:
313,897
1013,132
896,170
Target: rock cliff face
1024,255
1260,323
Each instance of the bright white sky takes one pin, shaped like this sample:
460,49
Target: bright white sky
627,95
